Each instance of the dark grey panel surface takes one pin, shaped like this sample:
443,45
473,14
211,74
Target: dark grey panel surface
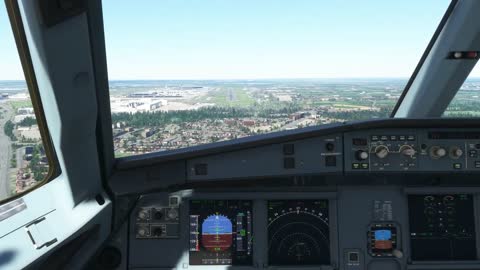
309,157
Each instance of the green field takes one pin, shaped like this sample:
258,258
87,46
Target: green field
462,113
119,154
20,104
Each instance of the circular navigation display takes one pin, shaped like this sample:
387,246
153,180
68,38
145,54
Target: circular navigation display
217,233
298,232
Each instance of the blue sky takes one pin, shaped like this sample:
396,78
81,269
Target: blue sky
225,39
10,67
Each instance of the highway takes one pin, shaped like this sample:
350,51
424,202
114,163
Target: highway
5,152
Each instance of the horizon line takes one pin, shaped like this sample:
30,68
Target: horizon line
243,79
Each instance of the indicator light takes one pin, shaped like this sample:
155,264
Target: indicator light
459,55
471,55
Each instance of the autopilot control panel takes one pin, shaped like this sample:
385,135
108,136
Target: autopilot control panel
413,150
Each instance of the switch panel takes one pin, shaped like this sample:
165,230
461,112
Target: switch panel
157,222
412,150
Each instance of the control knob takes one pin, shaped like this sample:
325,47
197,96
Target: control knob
172,213
157,231
361,155
329,147
437,152
455,152
407,151
158,215
142,232
381,151
397,253
143,214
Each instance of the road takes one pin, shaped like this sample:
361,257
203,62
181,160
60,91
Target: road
5,152
19,157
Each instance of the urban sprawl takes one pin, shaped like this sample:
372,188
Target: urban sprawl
149,116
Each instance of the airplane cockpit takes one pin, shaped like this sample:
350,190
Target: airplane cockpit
211,135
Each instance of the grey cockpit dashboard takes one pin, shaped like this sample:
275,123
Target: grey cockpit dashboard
386,194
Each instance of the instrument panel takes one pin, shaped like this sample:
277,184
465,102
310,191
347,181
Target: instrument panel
358,199
350,228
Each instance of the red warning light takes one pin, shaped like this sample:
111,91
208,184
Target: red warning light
471,55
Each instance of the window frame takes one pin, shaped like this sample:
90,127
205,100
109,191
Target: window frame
21,43
427,51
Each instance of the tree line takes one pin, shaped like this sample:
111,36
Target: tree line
27,122
159,118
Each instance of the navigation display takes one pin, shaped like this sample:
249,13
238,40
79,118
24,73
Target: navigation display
298,232
220,232
442,227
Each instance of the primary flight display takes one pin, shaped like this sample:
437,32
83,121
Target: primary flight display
220,232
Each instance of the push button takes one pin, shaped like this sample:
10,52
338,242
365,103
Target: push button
353,257
359,141
329,147
330,161
288,149
289,163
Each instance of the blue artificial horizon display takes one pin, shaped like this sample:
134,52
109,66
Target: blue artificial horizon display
217,224
381,235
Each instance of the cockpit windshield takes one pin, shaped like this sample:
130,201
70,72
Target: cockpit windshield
186,73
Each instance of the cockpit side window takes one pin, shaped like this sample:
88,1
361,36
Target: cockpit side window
26,153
